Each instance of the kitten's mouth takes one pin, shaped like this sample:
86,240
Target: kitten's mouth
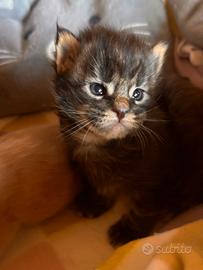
107,130
93,135
117,130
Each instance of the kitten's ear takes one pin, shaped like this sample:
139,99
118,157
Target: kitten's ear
67,47
159,52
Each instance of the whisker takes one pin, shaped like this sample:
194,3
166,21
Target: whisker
74,126
156,120
85,136
66,112
65,131
151,109
77,130
140,139
143,137
68,129
151,132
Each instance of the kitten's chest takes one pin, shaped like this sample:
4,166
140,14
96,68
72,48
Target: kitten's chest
108,161
98,167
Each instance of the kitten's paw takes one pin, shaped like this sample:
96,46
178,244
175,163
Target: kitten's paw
91,206
120,233
128,228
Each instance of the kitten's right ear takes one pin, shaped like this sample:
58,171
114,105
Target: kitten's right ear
67,47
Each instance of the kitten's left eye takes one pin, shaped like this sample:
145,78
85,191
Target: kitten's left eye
138,94
97,89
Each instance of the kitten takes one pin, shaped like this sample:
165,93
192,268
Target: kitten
106,90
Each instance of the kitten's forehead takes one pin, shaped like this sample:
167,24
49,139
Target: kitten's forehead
110,56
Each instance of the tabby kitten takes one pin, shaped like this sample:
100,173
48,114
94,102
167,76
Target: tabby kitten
106,89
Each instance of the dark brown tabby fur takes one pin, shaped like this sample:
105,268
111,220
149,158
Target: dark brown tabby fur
123,146
185,106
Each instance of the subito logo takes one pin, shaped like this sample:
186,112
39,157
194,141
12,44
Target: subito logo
147,249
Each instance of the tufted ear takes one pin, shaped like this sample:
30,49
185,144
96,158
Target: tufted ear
159,52
67,47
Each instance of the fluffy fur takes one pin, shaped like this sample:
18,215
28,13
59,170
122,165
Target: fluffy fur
122,145
185,107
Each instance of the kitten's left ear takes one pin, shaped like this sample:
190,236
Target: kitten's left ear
67,47
159,52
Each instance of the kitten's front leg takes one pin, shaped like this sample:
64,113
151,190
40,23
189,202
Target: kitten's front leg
91,204
130,227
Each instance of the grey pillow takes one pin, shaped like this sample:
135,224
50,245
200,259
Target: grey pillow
14,9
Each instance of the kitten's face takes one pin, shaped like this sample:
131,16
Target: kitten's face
105,83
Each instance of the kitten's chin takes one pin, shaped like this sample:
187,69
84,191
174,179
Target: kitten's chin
118,131
98,137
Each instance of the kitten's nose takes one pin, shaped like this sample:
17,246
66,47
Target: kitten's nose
121,107
120,114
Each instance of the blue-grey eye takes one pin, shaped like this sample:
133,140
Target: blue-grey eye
98,89
138,94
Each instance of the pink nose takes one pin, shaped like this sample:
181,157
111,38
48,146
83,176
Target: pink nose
121,107
120,114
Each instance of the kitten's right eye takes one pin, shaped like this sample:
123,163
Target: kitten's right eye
98,89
